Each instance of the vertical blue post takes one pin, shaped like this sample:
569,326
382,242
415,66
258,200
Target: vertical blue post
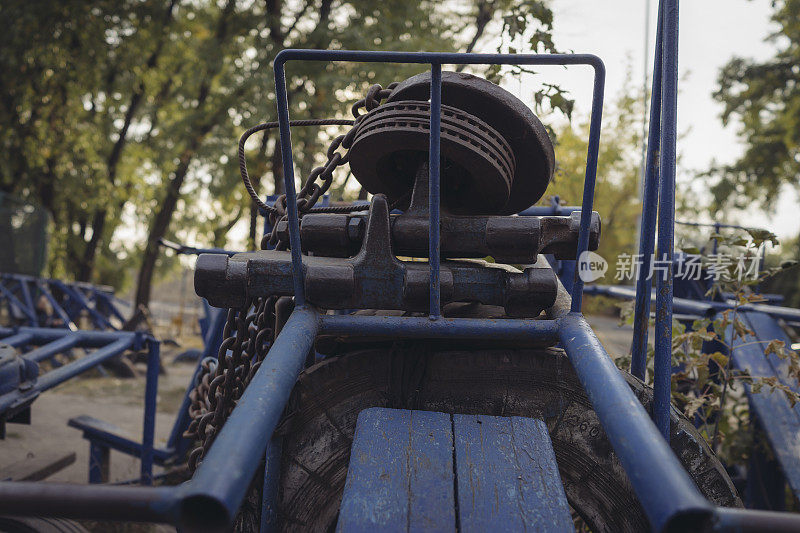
666,220
150,395
288,176
269,495
647,225
434,188
590,180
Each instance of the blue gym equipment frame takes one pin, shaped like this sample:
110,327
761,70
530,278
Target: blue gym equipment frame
669,497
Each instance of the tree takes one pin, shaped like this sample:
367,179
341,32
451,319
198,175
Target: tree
765,98
121,117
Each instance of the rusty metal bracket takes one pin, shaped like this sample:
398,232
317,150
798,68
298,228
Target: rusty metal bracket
374,278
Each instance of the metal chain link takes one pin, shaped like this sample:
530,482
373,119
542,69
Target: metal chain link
311,191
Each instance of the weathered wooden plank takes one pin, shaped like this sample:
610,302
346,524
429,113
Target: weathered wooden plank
507,478
545,502
37,468
431,487
400,473
780,421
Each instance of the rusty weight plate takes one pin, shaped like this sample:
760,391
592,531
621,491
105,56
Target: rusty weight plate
393,141
501,110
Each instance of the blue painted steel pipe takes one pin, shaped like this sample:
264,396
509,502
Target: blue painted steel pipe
150,397
434,189
535,331
745,520
647,224
288,177
667,493
53,348
213,496
18,339
270,488
662,378
88,338
94,502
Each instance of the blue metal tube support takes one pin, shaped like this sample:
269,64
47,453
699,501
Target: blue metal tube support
62,314
269,494
95,502
288,176
13,300
62,374
733,520
666,220
88,338
589,182
667,493
647,225
214,494
434,188
18,339
443,328
53,348
150,398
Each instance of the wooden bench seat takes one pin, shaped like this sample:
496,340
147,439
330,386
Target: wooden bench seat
427,471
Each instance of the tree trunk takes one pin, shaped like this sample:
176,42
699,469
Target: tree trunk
87,263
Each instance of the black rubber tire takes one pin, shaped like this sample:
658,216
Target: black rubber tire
320,423
13,524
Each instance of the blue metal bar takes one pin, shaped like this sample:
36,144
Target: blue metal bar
13,300
213,496
589,181
666,217
62,314
95,502
647,224
288,176
269,494
444,328
60,375
667,493
745,520
150,397
89,338
18,339
77,296
52,349
434,189
545,210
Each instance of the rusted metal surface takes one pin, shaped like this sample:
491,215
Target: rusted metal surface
373,279
505,113
507,239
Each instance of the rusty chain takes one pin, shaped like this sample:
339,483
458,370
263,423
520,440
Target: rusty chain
248,331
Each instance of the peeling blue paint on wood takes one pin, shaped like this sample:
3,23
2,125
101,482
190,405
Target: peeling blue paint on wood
402,475
507,476
781,421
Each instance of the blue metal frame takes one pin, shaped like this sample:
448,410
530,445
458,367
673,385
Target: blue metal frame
19,292
436,60
107,344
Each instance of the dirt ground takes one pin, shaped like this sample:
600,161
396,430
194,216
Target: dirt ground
120,401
